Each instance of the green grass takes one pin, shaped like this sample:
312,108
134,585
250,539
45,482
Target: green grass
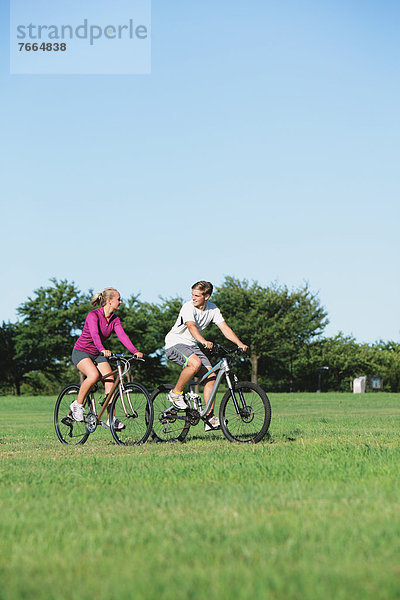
312,512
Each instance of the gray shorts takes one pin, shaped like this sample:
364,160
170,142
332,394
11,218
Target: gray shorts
181,353
78,355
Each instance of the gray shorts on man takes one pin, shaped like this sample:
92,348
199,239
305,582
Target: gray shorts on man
180,354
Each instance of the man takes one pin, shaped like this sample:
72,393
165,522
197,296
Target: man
181,345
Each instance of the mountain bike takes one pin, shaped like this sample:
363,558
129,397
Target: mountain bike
244,414
131,412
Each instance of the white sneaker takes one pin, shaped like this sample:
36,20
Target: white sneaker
77,411
214,421
117,424
177,400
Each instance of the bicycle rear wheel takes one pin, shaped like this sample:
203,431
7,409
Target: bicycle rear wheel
134,412
68,430
167,429
250,419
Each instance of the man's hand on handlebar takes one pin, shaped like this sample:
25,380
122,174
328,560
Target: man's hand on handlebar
138,355
208,345
219,350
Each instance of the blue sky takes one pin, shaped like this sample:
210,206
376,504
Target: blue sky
264,145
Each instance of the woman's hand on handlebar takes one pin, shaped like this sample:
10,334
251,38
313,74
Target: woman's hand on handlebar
106,353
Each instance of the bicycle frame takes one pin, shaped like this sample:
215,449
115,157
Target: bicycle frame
222,368
244,410
130,412
118,383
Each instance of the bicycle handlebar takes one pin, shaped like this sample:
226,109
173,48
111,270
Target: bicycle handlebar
126,361
218,349
126,357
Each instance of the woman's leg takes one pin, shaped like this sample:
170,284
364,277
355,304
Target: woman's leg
89,369
105,369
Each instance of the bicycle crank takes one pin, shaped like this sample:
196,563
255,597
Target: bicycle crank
91,422
194,416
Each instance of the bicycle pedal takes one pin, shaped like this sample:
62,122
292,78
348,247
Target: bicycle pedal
169,415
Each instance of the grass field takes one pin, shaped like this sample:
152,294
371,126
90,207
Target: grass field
313,512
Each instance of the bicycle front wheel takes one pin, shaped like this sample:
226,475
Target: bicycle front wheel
68,430
167,428
131,415
246,417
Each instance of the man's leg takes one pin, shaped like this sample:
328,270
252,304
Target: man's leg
175,396
195,367
208,386
194,362
187,374
213,421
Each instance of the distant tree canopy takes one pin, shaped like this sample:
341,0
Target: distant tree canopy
49,322
273,321
12,368
283,329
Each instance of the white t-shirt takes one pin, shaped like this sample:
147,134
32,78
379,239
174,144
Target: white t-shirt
180,334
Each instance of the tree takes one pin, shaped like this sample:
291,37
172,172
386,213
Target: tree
282,327
387,364
274,321
50,322
145,325
345,358
12,369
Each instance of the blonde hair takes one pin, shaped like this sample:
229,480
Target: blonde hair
102,297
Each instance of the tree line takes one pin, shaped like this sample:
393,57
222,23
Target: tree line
283,328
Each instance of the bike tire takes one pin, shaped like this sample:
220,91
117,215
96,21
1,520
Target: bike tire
135,412
167,430
251,425
68,430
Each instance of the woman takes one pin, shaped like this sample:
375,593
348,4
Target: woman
99,325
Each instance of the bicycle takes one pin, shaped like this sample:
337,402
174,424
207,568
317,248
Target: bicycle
244,414
129,404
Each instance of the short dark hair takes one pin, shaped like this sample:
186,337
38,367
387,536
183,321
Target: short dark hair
204,286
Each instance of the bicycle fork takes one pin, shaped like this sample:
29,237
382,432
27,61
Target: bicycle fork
241,408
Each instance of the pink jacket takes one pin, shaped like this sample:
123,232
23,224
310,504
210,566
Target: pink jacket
96,331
